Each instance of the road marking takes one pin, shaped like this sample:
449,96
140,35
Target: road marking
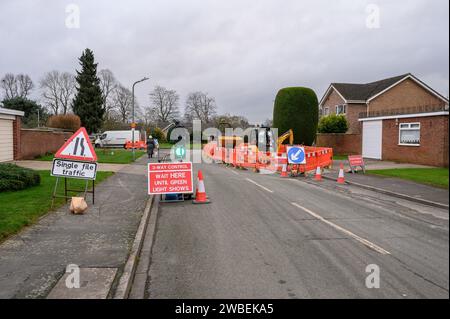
235,173
259,185
345,231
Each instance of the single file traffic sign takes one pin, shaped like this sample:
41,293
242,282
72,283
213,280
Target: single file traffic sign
78,147
73,169
296,155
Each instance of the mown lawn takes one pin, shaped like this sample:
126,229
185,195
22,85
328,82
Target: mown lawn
111,156
430,176
340,157
24,207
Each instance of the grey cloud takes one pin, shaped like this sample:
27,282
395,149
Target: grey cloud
241,52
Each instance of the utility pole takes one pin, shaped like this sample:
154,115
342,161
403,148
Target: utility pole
133,124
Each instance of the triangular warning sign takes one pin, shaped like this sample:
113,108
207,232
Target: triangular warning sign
78,147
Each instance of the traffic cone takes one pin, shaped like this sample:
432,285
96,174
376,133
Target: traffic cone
284,168
200,193
341,179
318,176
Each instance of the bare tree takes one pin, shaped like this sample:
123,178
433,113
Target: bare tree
25,85
108,84
121,101
228,120
58,90
200,106
16,86
164,105
9,86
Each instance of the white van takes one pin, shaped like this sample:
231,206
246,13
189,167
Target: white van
116,138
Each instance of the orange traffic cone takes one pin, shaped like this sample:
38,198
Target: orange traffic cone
200,193
341,179
284,168
318,176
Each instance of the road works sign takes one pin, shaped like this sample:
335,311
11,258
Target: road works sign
170,178
355,161
73,169
296,155
78,147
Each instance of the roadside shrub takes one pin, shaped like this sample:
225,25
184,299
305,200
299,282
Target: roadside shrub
158,134
65,121
297,108
333,124
13,178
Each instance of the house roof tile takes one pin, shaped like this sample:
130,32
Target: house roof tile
363,92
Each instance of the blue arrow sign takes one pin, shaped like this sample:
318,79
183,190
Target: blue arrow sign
296,155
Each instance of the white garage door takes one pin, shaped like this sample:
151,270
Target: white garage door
6,140
372,139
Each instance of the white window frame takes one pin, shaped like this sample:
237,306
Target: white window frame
326,111
344,109
408,128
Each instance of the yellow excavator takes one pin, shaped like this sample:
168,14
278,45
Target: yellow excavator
283,137
260,138
263,138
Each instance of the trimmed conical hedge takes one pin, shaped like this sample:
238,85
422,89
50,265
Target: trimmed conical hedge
297,108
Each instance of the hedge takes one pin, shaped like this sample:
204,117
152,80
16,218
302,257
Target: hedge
13,178
297,108
65,121
333,124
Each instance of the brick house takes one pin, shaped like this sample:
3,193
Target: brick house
10,124
399,118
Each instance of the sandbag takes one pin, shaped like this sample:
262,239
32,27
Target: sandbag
78,205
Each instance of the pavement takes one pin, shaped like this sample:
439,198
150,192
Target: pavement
263,236
47,165
393,185
377,164
33,261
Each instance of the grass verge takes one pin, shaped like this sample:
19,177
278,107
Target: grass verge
23,208
340,157
430,176
109,156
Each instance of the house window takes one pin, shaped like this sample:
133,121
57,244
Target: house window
326,111
409,134
341,109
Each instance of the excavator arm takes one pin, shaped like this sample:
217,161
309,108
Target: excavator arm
289,134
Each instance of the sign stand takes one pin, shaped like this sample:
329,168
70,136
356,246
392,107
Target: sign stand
75,159
66,190
355,161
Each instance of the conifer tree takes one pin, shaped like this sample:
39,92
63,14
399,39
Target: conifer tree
88,102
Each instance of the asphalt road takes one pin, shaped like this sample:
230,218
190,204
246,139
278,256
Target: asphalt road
267,237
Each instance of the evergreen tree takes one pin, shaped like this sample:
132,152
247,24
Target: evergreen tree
88,103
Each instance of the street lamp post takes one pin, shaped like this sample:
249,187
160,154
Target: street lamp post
133,125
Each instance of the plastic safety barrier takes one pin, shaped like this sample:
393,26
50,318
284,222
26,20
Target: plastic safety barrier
137,144
247,156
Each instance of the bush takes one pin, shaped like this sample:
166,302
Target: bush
13,178
159,135
333,124
30,109
65,121
297,108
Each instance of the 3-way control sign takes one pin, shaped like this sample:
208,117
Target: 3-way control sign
78,147
296,155
170,178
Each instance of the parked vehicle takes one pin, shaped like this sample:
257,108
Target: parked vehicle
116,138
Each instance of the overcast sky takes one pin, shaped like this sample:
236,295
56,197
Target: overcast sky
241,52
